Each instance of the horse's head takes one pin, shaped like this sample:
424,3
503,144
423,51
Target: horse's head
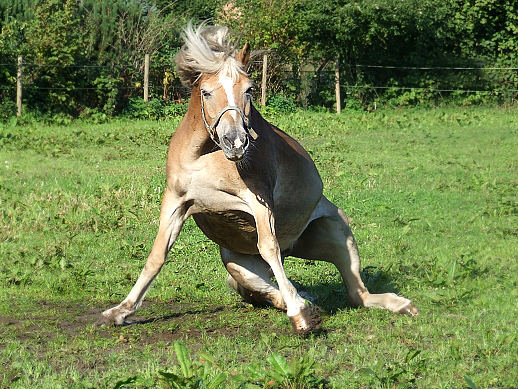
225,107
209,63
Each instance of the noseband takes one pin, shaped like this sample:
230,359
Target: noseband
212,127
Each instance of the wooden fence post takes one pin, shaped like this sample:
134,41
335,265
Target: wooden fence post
146,78
337,86
263,83
19,87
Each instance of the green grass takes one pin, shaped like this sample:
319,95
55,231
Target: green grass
433,200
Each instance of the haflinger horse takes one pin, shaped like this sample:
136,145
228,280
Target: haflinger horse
250,188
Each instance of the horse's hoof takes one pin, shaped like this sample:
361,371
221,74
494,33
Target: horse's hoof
306,321
112,317
104,321
409,309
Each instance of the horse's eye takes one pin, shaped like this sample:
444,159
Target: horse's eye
206,94
249,92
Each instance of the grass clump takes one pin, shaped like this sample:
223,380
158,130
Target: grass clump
205,373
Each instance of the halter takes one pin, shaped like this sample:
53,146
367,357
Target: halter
212,127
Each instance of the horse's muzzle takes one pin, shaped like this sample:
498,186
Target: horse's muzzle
234,144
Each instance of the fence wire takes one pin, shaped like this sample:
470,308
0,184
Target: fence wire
373,84
260,62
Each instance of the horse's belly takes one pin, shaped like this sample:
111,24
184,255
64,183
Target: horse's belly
233,230
236,230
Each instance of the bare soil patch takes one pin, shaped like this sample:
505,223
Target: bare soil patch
156,321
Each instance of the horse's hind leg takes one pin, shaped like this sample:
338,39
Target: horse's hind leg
329,238
249,275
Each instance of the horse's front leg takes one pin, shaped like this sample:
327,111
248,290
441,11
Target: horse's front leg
303,317
172,217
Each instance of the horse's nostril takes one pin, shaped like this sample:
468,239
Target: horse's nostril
227,141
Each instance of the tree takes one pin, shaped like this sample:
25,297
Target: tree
53,44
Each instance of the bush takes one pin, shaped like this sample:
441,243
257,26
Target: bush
176,109
354,103
156,109
93,115
7,110
281,104
137,108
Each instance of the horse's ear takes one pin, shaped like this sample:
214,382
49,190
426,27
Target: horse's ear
244,54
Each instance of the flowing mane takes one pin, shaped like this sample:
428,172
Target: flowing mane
207,49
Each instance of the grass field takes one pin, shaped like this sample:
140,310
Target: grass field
433,200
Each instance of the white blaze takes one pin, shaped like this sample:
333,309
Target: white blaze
228,86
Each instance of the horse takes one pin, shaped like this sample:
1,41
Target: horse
251,188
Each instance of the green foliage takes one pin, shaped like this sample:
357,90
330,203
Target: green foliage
7,110
193,374
107,92
303,38
297,373
110,37
16,9
489,28
281,104
176,109
267,25
414,34
137,108
53,42
399,374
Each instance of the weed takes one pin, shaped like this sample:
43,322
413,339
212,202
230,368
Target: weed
193,374
397,374
298,373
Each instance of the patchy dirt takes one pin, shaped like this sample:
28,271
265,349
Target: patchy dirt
7,321
155,322
65,334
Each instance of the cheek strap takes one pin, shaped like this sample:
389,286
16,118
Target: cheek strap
212,127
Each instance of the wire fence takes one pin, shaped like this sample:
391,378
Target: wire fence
308,86
286,72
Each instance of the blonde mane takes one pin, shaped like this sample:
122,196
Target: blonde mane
207,49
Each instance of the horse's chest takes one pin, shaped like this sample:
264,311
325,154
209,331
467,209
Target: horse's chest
223,216
220,210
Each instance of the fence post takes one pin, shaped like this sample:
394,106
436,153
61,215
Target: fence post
337,86
19,87
263,82
146,78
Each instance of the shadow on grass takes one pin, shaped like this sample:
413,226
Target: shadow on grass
331,297
175,315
